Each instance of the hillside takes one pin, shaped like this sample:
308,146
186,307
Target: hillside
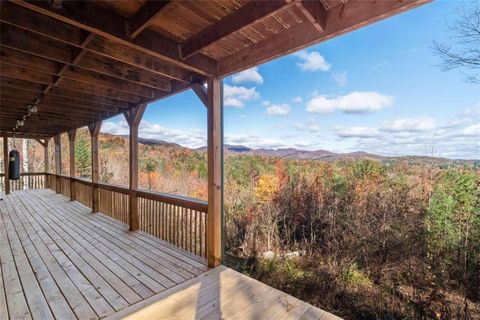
298,154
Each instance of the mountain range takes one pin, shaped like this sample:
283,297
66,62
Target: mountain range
293,153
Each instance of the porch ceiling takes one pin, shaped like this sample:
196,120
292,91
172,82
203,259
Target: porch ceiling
84,61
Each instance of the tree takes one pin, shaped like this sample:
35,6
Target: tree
150,167
465,52
82,157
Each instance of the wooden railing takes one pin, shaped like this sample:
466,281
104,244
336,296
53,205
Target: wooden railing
83,191
113,201
64,185
50,181
178,220
29,180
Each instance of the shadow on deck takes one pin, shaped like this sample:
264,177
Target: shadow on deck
60,261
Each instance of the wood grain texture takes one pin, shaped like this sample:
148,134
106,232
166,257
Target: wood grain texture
222,293
78,265
215,171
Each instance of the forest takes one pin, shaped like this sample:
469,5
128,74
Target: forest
361,238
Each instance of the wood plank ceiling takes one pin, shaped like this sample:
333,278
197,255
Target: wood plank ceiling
83,61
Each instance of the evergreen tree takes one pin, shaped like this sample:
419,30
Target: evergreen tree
82,158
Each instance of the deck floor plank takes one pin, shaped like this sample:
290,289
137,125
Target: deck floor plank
3,298
168,261
104,288
59,305
110,244
100,305
110,271
79,265
16,301
36,301
148,285
121,244
77,301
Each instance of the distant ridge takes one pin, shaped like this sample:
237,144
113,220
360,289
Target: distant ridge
293,153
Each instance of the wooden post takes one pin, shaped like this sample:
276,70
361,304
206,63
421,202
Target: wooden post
215,171
71,138
46,163
45,155
44,144
94,129
58,162
5,164
133,117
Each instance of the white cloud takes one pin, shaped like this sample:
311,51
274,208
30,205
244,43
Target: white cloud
356,132
311,61
409,124
278,109
355,102
250,76
310,126
340,77
236,96
297,99
192,138
472,130
253,141
266,103
472,112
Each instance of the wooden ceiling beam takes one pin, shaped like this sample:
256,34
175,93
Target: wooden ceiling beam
34,53
63,105
46,108
315,12
106,23
144,16
25,135
339,20
109,82
90,99
73,82
28,60
247,15
123,71
25,19
29,42
45,124
89,88
119,52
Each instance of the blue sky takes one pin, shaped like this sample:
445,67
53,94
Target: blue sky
378,89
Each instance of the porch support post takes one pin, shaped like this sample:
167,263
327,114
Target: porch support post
45,155
44,144
71,138
58,162
5,165
215,171
133,116
94,130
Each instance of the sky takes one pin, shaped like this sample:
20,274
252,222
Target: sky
378,89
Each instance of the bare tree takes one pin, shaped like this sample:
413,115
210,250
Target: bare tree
464,53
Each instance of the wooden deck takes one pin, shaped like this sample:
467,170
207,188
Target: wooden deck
59,261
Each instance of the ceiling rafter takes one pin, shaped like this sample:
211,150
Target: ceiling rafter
141,19
26,19
247,15
339,20
85,15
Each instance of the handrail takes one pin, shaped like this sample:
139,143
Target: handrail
181,201
26,174
190,203
179,220
112,187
